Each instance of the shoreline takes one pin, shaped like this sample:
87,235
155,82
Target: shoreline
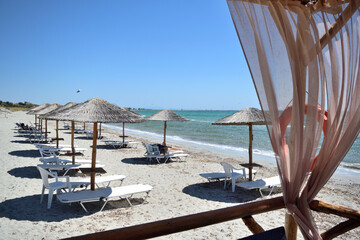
178,190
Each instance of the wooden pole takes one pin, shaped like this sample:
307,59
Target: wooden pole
184,223
45,128
100,130
57,133
250,151
41,125
123,137
72,141
35,122
84,125
252,225
164,143
290,227
93,158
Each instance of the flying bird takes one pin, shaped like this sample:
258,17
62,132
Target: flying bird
79,90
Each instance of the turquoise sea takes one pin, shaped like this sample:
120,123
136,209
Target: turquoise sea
232,139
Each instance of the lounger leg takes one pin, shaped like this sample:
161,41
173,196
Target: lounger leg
104,205
50,196
42,194
233,182
81,203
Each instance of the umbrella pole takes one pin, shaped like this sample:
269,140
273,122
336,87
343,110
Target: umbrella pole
57,133
123,132
45,128
100,130
164,143
72,141
250,152
41,125
84,125
93,159
35,121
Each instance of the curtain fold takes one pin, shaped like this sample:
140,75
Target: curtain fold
304,61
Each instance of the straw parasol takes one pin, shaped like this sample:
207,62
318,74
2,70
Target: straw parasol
44,111
34,109
123,124
247,116
50,116
166,115
97,111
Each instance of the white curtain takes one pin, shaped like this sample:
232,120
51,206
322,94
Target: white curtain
305,66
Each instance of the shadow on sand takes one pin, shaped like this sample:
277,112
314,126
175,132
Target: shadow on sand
215,191
138,161
26,153
21,141
29,208
25,172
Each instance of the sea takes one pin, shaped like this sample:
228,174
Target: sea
199,131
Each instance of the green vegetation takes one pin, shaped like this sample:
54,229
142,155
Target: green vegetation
16,106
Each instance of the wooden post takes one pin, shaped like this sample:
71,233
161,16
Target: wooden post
93,158
164,143
252,225
57,133
100,130
35,122
72,141
123,132
45,128
290,227
250,151
41,125
84,125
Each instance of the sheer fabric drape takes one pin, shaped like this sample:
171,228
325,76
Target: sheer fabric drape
309,83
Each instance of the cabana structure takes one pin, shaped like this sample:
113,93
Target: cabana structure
304,59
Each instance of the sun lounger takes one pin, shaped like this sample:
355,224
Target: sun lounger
120,144
261,184
104,194
217,176
57,160
67,167
100,181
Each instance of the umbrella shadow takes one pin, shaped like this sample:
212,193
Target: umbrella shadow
25,172
25,153
21,141
105,147
83,138
29,208
214,191
137,161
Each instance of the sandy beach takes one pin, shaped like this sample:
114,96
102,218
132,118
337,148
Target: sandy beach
178,190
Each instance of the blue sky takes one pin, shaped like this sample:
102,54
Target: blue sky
160,54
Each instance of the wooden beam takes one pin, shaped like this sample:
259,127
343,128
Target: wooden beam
340,229
321,206
93,157
290,227
179,224
252,225
72,141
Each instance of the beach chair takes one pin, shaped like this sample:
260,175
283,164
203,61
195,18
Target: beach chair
48,152
215,176
261,184
100,181
234,174
104,194
52,186
120,144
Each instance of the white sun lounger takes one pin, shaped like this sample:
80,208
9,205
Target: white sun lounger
57,160
217,176
104,194
67,167
100,181
119,144
261,184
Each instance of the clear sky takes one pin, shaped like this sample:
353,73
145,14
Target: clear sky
161,54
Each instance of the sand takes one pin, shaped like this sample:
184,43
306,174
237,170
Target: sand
178,190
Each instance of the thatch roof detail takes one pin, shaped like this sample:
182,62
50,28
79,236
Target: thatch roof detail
97,110
34,109
246,116
132,111
47,109
53,113
166,115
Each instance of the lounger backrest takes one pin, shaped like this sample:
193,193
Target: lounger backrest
228,168
45,176
147,147
47,152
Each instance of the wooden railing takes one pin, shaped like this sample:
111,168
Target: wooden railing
244,211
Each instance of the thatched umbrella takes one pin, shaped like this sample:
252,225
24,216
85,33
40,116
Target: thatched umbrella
50,116
34,109
166,115
123,123
247,116
44,111
97,111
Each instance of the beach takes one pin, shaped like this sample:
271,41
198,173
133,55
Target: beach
178,190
